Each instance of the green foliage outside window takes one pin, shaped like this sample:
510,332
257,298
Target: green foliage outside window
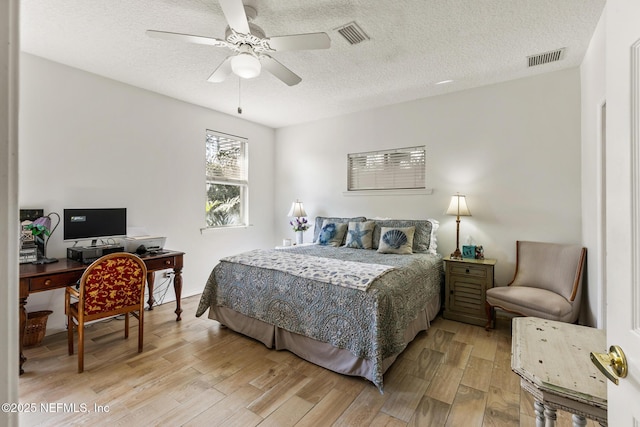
223,205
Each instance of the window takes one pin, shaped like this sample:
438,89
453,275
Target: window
227,183
398,169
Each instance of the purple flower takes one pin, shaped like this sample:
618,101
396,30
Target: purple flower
299,224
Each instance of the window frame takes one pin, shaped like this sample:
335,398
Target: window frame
395,171
238,175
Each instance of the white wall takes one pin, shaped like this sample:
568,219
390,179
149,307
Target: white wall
592,78
513,148
86,141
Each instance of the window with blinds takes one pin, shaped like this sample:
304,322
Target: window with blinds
398,169
226,180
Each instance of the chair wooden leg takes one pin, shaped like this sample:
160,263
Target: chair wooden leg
67,311
70,333
140,331
80,347
126,325
489,311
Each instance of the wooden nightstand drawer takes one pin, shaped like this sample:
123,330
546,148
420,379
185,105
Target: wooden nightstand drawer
467,270
52,282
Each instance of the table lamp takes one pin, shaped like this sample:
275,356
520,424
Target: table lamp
458,207
300,223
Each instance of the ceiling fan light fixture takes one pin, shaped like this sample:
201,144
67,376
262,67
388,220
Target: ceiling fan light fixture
245,65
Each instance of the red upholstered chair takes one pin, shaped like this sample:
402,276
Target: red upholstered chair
547,283
112,285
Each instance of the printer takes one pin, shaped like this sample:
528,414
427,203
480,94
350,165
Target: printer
149,243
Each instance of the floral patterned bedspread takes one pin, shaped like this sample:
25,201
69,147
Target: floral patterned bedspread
351,274
370,324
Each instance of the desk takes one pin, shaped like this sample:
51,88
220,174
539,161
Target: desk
552,359
65,272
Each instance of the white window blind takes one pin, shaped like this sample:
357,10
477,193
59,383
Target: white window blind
226,158
401,168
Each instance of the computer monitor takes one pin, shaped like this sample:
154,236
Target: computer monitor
94,223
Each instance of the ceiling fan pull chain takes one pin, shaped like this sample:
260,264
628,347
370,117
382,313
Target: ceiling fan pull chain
239,95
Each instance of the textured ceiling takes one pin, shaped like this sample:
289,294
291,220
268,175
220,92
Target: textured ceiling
413,45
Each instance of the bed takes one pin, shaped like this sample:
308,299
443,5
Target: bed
351,307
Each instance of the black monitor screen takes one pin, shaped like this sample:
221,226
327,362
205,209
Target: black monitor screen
94,223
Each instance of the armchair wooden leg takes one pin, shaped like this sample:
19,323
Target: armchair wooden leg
80,347
70,333
489,311
126,325
140,330
67,311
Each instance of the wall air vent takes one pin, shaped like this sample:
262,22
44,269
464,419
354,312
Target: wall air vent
546,57
353,33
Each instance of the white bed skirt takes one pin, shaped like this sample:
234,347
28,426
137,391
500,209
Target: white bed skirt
322,354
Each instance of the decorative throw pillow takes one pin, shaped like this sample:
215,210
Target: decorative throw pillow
321,219
423,238
332,233
396,240
360,234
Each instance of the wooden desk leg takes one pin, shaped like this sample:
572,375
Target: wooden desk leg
151,277
578,421
177,287
23,327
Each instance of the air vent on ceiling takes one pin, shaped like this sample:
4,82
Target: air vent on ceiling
546,57
353,33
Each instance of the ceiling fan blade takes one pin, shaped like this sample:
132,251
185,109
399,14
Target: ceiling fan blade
222,72
300,42
236,17
279,70
186,38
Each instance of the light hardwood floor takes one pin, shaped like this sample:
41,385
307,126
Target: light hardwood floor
196,373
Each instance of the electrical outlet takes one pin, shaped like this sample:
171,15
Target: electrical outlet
168,274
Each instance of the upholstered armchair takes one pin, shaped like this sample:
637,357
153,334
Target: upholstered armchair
547,283
111,286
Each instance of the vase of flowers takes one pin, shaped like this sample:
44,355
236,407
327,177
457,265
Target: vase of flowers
300,225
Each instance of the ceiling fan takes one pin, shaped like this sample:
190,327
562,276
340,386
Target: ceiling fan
250,45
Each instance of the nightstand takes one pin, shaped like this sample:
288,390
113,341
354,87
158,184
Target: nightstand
293,246
466,283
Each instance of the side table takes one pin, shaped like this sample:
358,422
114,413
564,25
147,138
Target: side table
553,361
466,283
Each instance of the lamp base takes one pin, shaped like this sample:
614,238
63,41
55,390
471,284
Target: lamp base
456,254
45,261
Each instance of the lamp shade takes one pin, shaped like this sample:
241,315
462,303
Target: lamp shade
42,225
245,65
297,210
458,206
